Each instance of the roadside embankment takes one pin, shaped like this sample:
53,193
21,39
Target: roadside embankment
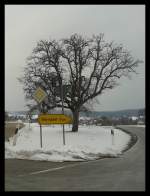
10,128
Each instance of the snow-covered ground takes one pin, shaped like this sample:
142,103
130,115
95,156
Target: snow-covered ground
89,143
134,125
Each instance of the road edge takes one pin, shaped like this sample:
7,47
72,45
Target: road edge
133,140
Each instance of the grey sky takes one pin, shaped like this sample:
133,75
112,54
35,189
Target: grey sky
27,24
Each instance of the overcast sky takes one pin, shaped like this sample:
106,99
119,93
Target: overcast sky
27,24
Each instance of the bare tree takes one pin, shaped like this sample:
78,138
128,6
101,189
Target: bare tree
88,66
31,109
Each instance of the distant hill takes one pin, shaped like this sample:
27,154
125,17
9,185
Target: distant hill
117,113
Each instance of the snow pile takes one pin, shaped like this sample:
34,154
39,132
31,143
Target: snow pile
91,142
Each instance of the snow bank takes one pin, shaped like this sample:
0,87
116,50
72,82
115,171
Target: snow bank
91,142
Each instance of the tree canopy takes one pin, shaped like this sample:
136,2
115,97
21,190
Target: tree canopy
83,67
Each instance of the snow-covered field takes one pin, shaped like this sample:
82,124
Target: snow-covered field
89,143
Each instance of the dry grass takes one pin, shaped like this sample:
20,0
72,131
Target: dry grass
10,129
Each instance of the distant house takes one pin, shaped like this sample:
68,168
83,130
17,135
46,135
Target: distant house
134,118
85,120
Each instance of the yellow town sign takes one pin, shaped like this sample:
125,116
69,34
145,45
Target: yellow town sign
46,119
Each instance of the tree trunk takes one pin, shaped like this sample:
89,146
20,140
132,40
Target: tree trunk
75,120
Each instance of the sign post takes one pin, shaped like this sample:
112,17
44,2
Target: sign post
41,135
62,99
112,134
60,91
39,96
47,119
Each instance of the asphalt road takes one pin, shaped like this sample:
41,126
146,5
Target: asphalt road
125,173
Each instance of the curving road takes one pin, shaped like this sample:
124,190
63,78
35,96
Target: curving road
125,173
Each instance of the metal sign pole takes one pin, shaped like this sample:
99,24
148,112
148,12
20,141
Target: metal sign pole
40,107
112,134
39,95
29,124
63,112
41,135
29,121
18,124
